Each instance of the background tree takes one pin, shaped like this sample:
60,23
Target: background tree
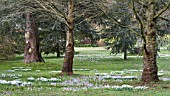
31,51
146,14
11,38
52,35
7,42
120,39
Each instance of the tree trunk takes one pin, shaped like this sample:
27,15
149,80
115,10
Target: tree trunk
69,52
31,51
58,50
150,67
125,54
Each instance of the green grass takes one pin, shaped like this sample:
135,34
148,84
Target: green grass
96,59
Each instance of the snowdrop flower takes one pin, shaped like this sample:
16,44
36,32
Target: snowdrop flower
19,75
104,74
141,87
165,79
37,71
97,74
17,69
80,69
3,75
54,79
20,67
26,84
30,79
106,86
95,70
55,71
15,82
12,71
53,84
43,79
29,88
127,86
3,82
26,69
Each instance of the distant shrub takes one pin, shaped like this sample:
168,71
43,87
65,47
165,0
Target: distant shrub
136,51
168,48
78,44
86,45
6,51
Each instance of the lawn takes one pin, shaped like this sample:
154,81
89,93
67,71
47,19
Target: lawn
92,68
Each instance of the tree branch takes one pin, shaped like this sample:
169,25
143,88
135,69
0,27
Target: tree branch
120,24
162,11
139,20
55,11
91,17
164,19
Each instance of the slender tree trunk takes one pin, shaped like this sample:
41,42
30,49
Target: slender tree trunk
58,50
150,67
69,52
125,54
31,51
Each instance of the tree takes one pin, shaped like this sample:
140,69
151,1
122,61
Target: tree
53,37
122,45
31,51
150,11
10,39
7,42
150,35
11,10
69,53
119,39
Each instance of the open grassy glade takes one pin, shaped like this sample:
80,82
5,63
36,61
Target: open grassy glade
88,63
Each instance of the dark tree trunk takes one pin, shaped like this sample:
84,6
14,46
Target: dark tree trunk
58,50
150,66
69,52
31,51
125,54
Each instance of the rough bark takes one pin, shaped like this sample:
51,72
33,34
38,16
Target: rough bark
69,53
31,51
150,66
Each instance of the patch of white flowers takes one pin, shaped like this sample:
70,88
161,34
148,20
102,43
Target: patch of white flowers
16,82
10,75
118,88
81,69
22,69
101,74
44,79
37,71
10,71
55,71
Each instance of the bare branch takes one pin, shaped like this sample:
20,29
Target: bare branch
138,19
164,19
162,11
120,24
41,4
51,10
89,18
